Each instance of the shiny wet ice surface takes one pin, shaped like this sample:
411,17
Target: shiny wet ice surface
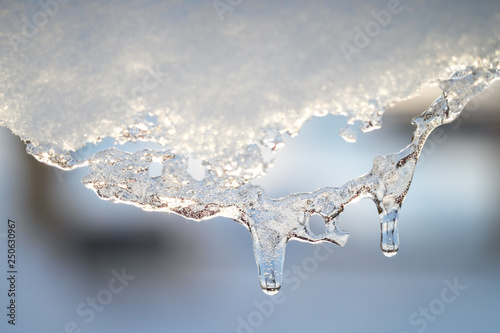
201,276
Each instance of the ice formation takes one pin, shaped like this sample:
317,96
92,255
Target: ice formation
197,81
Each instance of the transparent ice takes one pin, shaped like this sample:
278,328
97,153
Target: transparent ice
220,93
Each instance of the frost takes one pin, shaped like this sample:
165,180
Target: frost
211,100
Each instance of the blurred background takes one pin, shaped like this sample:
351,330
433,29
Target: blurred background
202,277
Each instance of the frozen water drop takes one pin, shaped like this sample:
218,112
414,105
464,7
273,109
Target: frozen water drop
348,134
271,291
389,239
